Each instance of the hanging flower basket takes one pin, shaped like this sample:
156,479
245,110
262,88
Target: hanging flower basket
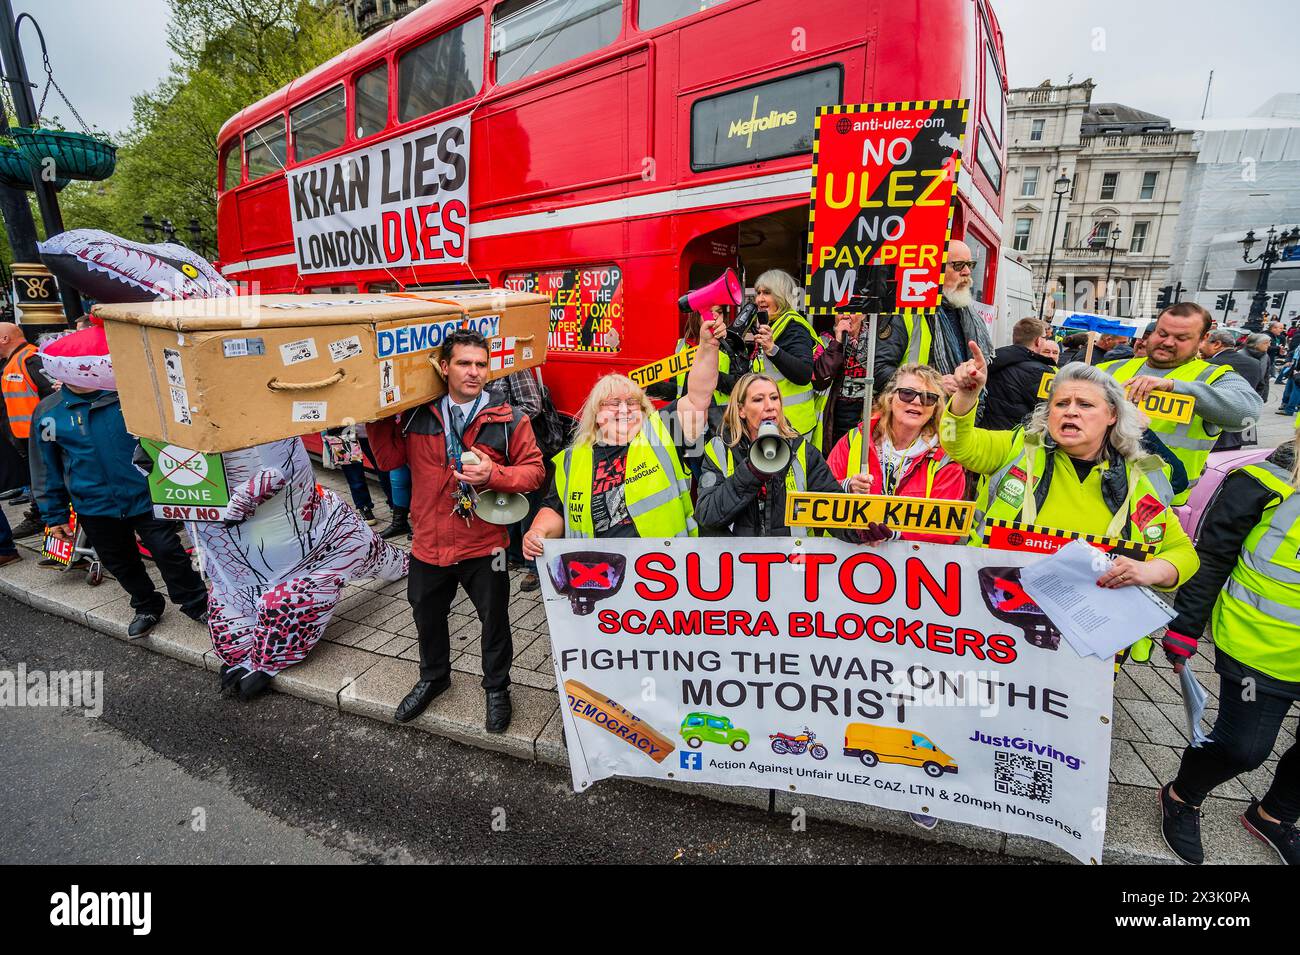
16,172
75,155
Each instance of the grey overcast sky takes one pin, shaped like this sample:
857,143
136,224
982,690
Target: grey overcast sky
1156,54
1151,54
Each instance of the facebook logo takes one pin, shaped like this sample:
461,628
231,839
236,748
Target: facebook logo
691,760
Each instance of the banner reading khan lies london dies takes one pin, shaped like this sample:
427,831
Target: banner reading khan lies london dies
404,201
912,677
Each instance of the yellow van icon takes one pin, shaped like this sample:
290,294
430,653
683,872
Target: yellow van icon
894,744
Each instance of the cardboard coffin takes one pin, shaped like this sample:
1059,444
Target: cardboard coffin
221,374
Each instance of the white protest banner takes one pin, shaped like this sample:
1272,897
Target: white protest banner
400,202
916,677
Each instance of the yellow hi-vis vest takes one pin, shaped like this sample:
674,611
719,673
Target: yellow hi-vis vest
657,490
1016,502
919,337
854,466
796,476
1191,442
1257,616
724,366
799,401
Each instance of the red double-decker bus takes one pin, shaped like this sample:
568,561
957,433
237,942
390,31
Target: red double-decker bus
610,153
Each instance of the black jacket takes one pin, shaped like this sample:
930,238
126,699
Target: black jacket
1014,377
730,505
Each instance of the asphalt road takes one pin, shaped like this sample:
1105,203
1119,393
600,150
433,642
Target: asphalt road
170,772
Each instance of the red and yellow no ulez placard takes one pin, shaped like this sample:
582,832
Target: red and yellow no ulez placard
883,193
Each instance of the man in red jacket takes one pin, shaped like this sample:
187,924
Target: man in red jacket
451,544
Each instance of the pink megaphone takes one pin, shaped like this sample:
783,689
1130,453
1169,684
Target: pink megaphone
724,290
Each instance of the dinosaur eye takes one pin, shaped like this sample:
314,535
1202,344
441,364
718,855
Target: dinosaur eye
189,270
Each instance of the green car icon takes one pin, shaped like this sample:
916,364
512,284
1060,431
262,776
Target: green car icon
700,728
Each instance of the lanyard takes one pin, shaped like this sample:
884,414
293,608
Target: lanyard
456,439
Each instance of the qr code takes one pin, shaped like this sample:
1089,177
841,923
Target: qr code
1019,775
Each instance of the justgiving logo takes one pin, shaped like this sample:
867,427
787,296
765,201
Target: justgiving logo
75,908
758,124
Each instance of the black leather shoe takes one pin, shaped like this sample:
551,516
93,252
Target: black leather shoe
230,677
418,700
499,711
142,624
253,684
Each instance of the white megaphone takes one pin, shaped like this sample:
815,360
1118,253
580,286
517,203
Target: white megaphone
769,454
497,507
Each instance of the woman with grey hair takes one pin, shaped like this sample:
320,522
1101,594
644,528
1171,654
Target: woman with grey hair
1078,465
783,348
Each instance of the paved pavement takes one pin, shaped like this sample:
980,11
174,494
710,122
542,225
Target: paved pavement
171,772
367,662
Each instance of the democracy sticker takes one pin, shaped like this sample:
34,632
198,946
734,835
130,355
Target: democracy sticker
618,721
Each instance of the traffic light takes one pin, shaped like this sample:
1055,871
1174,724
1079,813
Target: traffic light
1165,298
1278,299
1221,303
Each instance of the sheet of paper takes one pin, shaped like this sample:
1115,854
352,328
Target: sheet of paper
1094,620
1194,697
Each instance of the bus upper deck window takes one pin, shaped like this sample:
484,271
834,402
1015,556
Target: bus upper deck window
230,163
655,13
441,71
371,97
319,125
529,36
265,149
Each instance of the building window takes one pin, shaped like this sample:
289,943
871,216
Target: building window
1021,240
1138,242
1149,185
1036,131
441,71
265,149
1109,181
371,98
1099,235
1029,182
528,37
1065,238
319,125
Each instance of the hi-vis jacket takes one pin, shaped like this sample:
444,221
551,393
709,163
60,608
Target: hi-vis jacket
657,492
1014,465
1193,441
799,401
21,390
1257,616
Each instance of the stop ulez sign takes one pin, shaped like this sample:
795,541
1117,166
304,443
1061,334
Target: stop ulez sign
185,484
884,184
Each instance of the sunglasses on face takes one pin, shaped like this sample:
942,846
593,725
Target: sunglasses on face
909,396
964,266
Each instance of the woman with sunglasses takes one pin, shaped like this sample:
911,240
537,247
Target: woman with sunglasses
1077,465
623,475
904,457
738,497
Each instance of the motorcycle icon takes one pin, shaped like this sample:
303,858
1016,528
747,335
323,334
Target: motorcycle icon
783,743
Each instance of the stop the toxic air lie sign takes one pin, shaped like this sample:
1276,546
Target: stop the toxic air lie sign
883,192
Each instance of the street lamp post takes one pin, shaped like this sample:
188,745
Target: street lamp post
1113,241
1059,188
1275,245
20,90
